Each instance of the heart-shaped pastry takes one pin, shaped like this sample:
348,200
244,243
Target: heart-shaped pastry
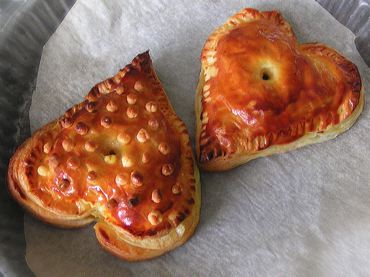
261,92
122,158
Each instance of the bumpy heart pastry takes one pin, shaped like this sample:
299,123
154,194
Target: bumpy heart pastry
122,158
261,92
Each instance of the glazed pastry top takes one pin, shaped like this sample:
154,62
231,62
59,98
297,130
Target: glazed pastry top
262,88
120,155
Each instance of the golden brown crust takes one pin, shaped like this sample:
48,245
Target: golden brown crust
115,158
260,92
16,176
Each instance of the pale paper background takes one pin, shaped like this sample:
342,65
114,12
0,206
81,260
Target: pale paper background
304,213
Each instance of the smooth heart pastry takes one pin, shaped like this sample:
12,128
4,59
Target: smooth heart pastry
122,158
261,92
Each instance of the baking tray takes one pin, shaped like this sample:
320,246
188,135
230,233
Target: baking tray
25,27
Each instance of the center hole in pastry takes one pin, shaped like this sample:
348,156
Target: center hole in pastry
266,74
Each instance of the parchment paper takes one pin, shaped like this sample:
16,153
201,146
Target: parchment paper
303,213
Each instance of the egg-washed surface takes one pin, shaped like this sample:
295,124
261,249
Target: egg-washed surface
259,87
122,157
